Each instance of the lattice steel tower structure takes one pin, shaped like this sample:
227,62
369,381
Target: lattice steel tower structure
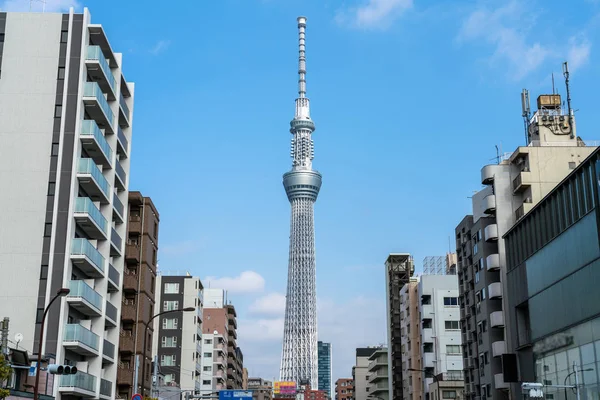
299,360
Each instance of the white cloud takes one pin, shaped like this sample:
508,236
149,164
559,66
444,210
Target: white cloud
578,53
160,46
375,14
38,5
246,282
270,304
505,28
261,330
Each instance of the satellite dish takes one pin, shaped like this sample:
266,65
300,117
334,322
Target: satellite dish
19,338
215,332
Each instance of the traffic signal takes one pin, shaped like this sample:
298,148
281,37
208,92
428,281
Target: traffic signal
57,369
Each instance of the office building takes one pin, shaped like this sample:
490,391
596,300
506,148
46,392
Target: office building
410,323
344,389
441,349
177,340
399,267
512,188
325,378
360,372
261,388
553,270
302,184
377,374
139,282
65,132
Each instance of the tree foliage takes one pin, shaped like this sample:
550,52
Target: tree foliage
5,373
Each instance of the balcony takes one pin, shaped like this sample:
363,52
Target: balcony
130,281
90,219
497,319
92,181
95,144
495,290
379,387
499,382
111,314
120,176
489,204
427,335
492,262
122,143
428,360
80,340
124,375
498,348
491,233
80,385
522,182
114,279
116,243
124,114
87,258
487,174
523,209
132,253
99,70
97,107
105,389
118,210
108,352
378,375
426,311
135,224
84,299
128,310
126,342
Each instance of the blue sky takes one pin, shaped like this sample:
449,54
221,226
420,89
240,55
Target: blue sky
409,99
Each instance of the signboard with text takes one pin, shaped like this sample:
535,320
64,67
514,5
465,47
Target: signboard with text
284,387
235,394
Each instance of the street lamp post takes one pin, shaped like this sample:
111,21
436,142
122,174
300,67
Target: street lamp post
61,292
575,371
146,336
435,379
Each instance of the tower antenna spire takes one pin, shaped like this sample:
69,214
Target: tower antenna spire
301,57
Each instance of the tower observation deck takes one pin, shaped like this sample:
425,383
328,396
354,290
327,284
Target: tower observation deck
299,359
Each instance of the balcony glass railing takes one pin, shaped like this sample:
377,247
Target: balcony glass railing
121,173
81,289
124,107
88,166
118,205
105,388
109,349
89,127
111,311
114,275
82,247
92,89
116,239
86,205
95,53
122,138
77,333
80,380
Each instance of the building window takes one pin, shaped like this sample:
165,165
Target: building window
170,323
208,355
206,368
64,36
448,394
170,305
171,288
57,111
169,341
169,378
51,188
453,349
61,73
207,341
54,149
450,301
477,277
48,230
475,249
452,325
168,360
206,382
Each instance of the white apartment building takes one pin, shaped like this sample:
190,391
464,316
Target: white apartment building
215,342
65,134
441,349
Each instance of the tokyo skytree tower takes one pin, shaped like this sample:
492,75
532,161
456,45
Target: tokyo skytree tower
302,184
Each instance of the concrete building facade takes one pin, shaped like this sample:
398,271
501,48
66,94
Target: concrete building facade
214,337
399,267
360,372
261,388
178,336
235,358
65,132
411,340
512,188
344,389
553,269
139,282
325,377
378,386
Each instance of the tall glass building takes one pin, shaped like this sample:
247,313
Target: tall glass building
324,351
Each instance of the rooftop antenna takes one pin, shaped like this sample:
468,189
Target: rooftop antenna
553,90
566,75
526,107
497,154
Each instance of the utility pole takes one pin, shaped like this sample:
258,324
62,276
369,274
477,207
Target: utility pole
154,378
4,336
135,374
